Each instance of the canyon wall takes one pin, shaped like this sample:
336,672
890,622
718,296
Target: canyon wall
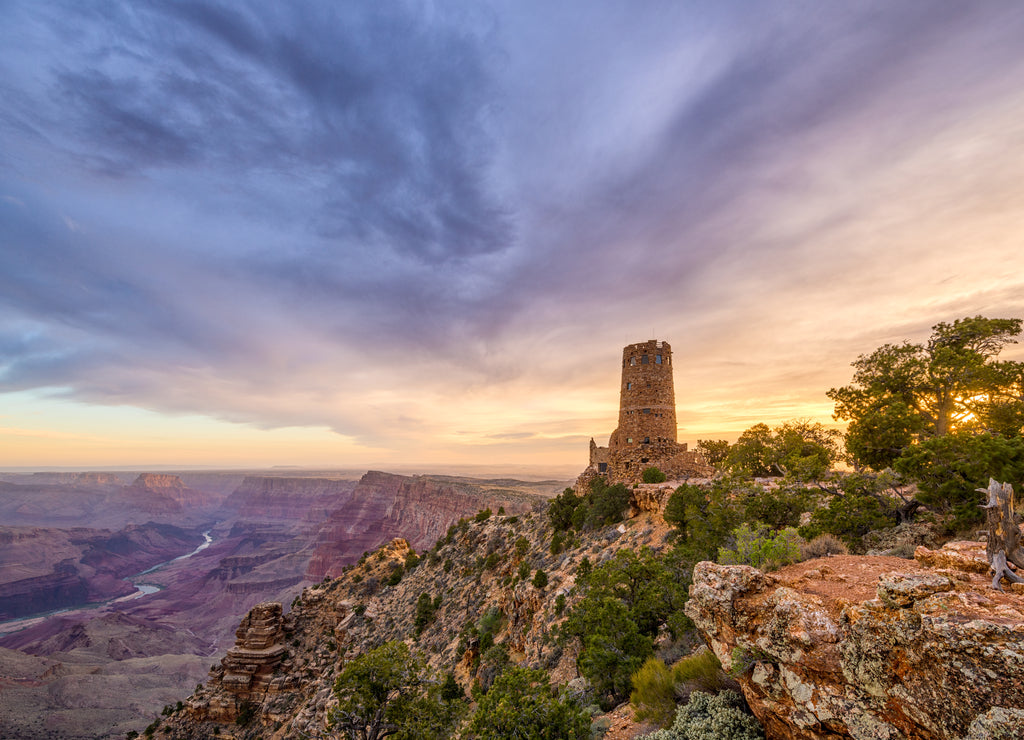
384,506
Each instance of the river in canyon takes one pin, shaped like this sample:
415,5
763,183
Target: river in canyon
142,588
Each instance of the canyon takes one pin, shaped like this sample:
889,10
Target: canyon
79,545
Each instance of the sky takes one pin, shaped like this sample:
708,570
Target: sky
246,234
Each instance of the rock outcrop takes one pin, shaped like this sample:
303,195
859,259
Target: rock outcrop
246,673
867,647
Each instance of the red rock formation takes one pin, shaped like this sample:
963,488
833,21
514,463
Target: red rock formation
247,671
859,647
385,506
259,499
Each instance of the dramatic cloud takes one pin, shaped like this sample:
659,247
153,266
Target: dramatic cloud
430,228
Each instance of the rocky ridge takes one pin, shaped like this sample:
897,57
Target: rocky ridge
339,618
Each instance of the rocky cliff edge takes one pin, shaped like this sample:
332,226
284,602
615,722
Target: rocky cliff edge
870,647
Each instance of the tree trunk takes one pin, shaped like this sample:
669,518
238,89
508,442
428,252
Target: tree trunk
1004,535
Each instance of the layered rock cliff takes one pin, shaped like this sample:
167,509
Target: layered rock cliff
868,647
277,499
384,506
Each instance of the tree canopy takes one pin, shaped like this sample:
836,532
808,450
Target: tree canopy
907,392
387,692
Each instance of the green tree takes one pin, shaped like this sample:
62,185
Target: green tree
714,451
752,454
522,704
950,469
561,509
653,475
606,504
704,516
760,547
800,449
626,601
907,392
387,692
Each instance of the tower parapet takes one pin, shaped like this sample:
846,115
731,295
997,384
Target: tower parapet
646,435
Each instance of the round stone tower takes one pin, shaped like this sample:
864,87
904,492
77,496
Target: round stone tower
646,435
647,399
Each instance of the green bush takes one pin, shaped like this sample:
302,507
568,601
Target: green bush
657,688
653,475
654,695
849,517
778,506
711,717
540,579
607,504
396,576
521,704
483,515
761,548
425,610
411,560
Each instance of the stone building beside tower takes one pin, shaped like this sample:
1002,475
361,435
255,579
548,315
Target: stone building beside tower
646,434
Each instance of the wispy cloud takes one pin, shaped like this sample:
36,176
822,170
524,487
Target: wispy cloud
399,221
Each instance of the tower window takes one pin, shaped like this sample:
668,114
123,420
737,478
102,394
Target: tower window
629,386
602,467
632,361
629,440
657,359
643,360
647,440
647,411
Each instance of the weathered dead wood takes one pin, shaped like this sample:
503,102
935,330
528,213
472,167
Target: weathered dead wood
1004,535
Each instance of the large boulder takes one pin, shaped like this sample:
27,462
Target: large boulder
867,647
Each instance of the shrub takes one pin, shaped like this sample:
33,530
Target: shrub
707,717
656,688
761,548
425,610
557,543
850,517
540,579
483,515
524,571
822,546
561,509
521,704
654,696
607,503
396,576
779,506
522,546
700,671
653,475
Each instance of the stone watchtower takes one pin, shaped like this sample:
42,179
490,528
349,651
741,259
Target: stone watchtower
646,435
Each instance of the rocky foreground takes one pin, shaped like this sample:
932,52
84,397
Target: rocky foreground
870,647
